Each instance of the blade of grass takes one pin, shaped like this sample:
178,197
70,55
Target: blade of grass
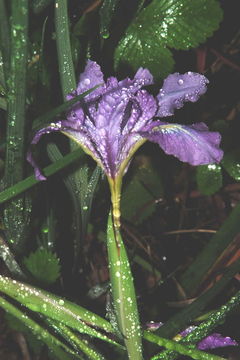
4,38
56,308
179,348
68,84
206,259
17,212
82,345
30,181
204,329
40,5
180,321
56,346
65,62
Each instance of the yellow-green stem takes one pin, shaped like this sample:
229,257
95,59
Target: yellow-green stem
115,187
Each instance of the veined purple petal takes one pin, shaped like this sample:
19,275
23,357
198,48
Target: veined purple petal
145,107
91,77
178,89
215,341
51,128
193,144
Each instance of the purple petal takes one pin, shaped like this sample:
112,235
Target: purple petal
91,77
193,144
143,77
180,88
53,127
215,341
146,106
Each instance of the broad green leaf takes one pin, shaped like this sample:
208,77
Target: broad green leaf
142,49
179,24
209,178
43,265
147,182
231,163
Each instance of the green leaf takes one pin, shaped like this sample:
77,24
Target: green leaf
147,182
209,178
181,349
123,292
59,348
106,13
196,272
30,181
43,265
137,50
180,24
56,308
231,163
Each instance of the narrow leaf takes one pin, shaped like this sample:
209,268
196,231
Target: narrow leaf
57,347
56,308
123,292
181,349
106,14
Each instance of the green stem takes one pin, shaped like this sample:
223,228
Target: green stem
122,286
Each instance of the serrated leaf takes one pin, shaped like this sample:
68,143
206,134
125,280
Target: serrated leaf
183,24
180,24
137,51
43,265
146,182
231,163
209,178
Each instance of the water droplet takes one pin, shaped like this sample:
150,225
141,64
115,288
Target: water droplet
180,82
61,302
105,34
87,81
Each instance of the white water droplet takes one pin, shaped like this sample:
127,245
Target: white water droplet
180,81
86,81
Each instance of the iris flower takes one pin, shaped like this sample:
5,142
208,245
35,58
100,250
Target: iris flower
115,119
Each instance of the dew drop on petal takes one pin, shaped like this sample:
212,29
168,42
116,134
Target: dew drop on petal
86,81
180,81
